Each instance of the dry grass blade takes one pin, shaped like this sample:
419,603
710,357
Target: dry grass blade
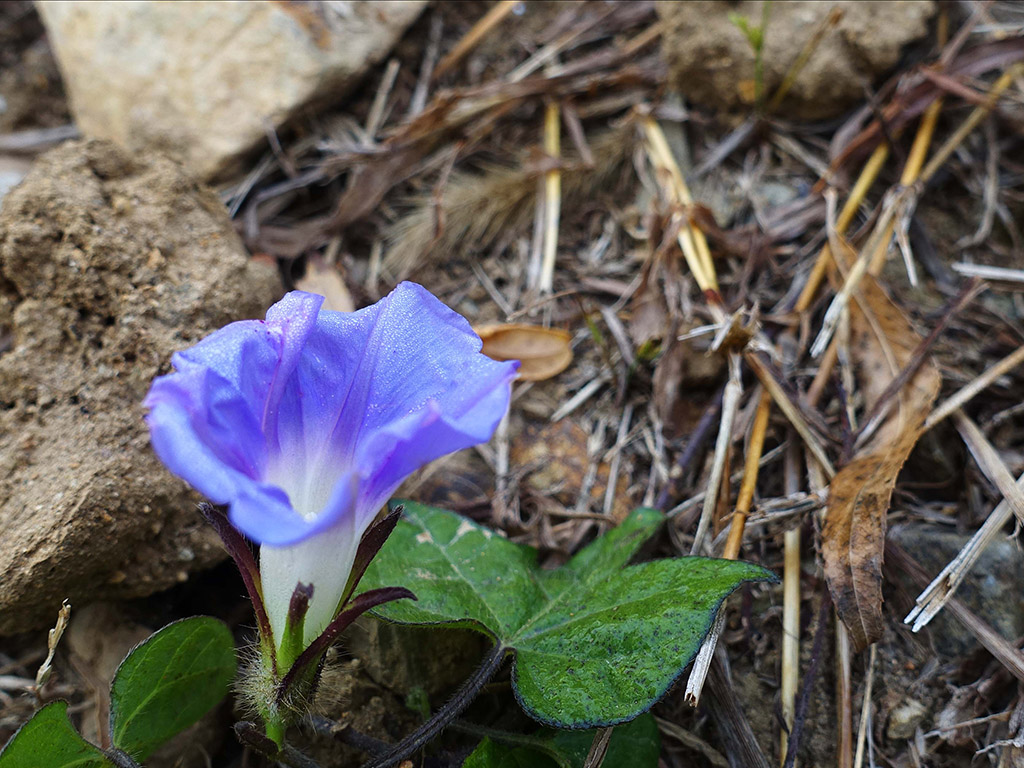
479,208
1005,652
902,204
963,396
552,195
479,31
989,462
691,239
542,352
941,589
853,540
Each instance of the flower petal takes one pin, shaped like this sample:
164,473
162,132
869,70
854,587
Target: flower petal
421,390
322,560
213,420
205,432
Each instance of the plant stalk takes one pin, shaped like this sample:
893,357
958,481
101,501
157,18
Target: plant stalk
454,706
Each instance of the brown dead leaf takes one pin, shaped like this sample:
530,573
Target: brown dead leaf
542,352
326,281
882,344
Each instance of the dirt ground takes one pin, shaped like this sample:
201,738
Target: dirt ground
864,494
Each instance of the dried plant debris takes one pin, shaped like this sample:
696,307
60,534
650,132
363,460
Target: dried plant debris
471,212
688,271
882,345
541,352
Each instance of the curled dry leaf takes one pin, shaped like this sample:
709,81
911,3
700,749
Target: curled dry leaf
327,281
542,352
882,344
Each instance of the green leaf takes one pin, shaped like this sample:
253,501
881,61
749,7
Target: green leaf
490,754
168,682
50,733
595,643
634,745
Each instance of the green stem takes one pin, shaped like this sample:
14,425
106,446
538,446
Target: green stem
274,727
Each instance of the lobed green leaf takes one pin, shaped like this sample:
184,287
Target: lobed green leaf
595,643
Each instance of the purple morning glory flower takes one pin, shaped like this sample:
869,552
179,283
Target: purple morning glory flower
305,423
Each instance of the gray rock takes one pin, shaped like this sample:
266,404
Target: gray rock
712,62
108,264
204,81
993,588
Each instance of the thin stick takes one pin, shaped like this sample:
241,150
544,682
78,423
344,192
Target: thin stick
1006,653
479,30
805,692
691,239
867,177
967,393
990,463
844,697
552,49
987,272
706,653
433,50
730,404
613,469
824,373
380,100
736,477
824,27
978,114
790,607
750,471
887,400
865,709
552,196
598,748
911,171
791,412
939,592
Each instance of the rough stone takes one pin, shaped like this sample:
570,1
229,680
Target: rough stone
992,588
205,81
108,264
712,61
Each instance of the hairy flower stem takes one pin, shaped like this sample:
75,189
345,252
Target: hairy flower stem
454,706
121,759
